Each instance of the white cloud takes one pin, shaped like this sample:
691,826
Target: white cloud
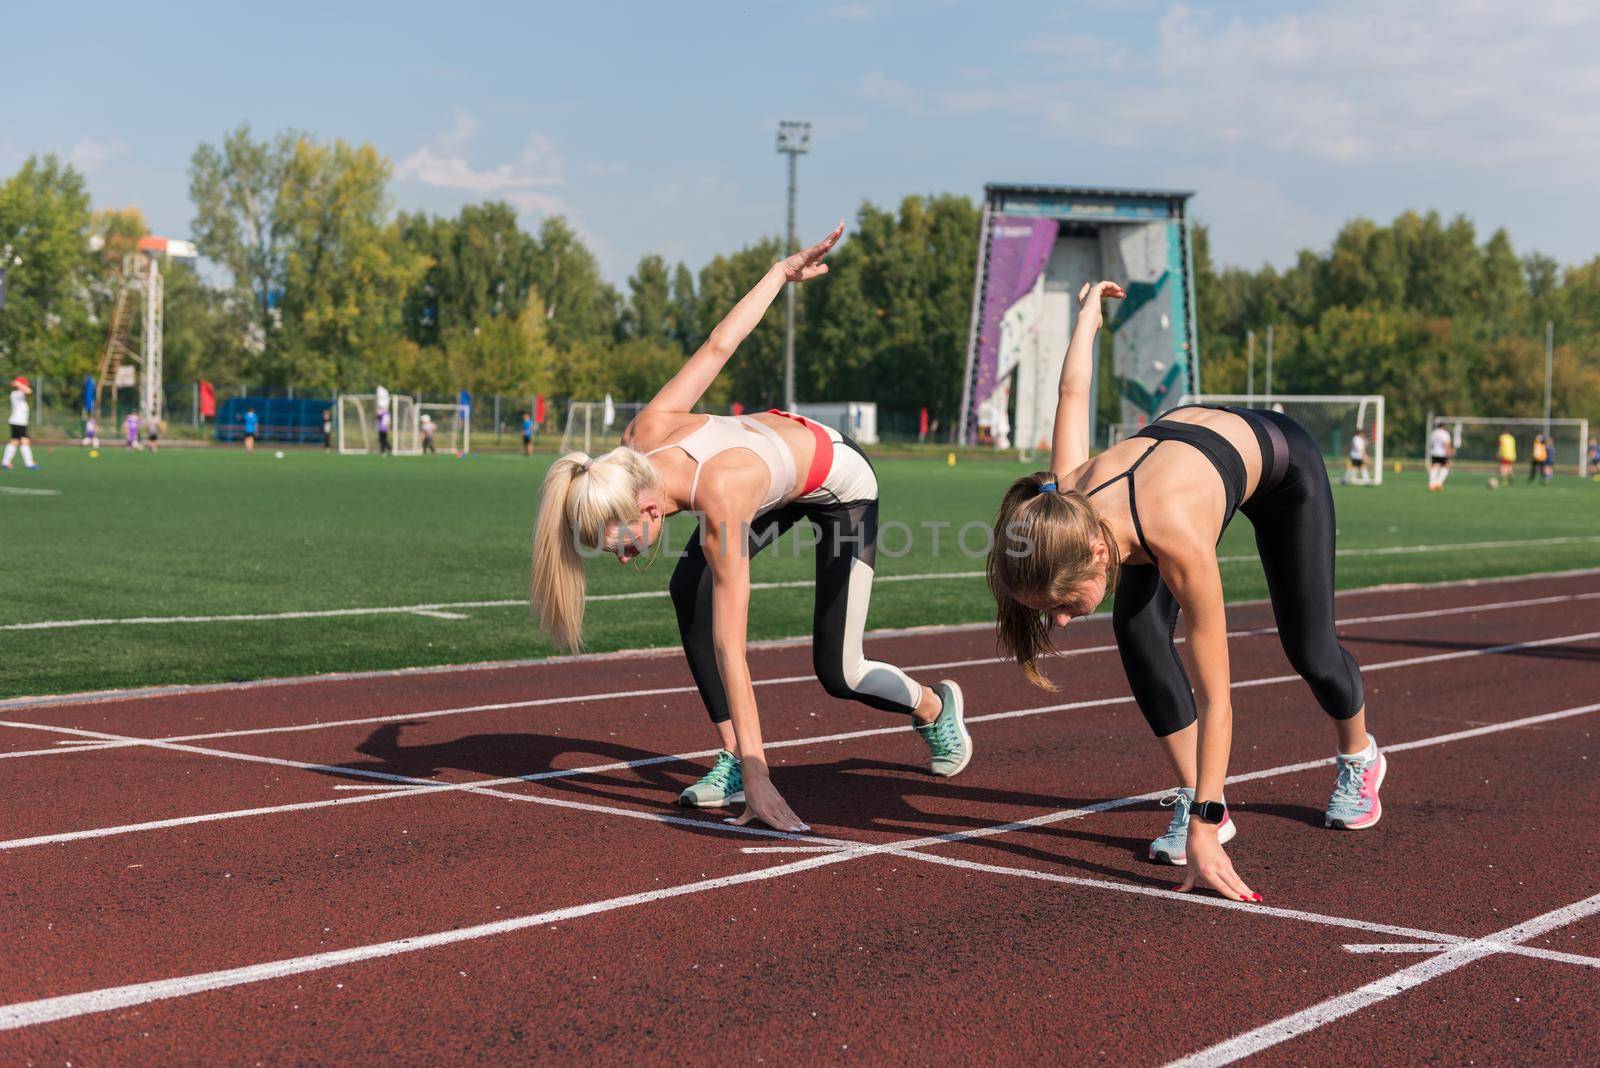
529,183
90,155
856,12
463,128
878,88
1487,84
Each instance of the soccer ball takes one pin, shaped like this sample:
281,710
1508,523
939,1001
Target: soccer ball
94,453
1494,483
278,455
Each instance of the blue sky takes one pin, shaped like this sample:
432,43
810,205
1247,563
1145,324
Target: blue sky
651,126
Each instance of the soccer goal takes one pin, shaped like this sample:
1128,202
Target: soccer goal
360,417
1477,440
597,426
452,427
1332,420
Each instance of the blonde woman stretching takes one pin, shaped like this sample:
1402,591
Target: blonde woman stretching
1144,517
749,479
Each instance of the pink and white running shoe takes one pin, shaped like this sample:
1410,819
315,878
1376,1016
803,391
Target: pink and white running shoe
1354,805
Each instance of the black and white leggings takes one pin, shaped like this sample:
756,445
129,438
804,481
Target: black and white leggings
846,551
1294,526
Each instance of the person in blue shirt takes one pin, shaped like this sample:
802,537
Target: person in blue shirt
250,424
527,434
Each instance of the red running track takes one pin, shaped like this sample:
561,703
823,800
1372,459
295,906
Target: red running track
487,863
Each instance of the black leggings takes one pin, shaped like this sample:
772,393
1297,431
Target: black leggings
1295,537
846,549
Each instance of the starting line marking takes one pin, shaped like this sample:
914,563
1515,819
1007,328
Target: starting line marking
660,691
1459,953
930,576
408,786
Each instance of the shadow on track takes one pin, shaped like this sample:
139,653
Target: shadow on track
860,794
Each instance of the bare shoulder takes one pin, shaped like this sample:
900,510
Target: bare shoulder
731,486
649,429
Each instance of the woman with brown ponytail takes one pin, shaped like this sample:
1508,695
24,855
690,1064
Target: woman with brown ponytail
1143,519
749,479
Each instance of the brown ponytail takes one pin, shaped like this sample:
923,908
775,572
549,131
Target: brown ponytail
1043,550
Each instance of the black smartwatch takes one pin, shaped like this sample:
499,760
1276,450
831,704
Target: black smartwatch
1209,811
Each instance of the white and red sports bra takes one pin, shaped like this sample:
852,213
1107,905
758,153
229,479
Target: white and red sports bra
719,433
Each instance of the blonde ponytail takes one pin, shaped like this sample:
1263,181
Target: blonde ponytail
579,499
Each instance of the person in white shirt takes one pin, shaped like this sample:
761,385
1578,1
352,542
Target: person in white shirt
1356,470
20,391
1440,449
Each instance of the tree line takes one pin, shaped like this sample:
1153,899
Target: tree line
320,284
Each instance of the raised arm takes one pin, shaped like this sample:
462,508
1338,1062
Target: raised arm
1069,445
686,388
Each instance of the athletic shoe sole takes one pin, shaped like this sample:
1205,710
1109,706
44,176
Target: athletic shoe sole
961,725
1225,834
685,801
1377,803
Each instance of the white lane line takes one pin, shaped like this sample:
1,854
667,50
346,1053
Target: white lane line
487,785
794,849
640,595
1336,1008
143,693
24,1014
1429,938
45,1010
74,746
792,679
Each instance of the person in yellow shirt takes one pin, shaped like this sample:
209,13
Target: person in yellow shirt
1508,455
1538,463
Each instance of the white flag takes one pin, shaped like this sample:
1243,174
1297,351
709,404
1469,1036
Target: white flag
610,414
383,399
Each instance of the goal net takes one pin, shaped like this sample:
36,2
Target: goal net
596,426
360,418
1333,421
450,427
1477,441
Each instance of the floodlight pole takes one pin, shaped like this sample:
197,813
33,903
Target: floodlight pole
1250,365
1269,359
1549,362
794,139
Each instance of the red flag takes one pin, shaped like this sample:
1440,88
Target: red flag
922,424
538,409
208,400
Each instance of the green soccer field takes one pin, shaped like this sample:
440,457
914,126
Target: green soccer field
213,532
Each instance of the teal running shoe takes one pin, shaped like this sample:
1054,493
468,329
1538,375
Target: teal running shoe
720,787
1354,805
949,744
1173,846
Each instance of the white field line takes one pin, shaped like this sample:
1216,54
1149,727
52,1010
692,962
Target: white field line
444,608
1336,1008
415,787
660,691
17,491
142,693
45,1010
